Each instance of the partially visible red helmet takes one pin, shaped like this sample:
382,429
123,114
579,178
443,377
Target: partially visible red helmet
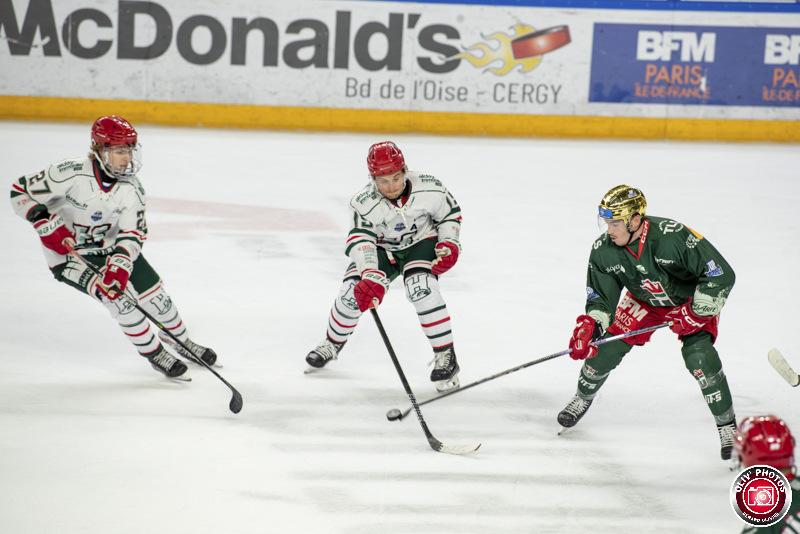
113,130
385,158
765,440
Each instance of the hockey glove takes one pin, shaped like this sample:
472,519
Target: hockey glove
115,276
586,331
685,322
53,232
373,285
446,256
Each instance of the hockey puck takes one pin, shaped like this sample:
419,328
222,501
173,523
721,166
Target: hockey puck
540,42
394,414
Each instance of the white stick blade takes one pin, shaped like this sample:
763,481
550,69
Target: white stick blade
782,366
459,449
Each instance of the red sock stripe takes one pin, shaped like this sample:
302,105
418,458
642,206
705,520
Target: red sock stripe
143,332
174,327
440,321
340,324
443,346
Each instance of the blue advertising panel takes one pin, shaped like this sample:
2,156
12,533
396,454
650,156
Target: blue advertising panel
695,65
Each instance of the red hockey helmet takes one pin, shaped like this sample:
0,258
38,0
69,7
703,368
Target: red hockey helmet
112,133
765,440
385,158
113,130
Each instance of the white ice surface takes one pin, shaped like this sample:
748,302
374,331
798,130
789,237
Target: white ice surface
247,230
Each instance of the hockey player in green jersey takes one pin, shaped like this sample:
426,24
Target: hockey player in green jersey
404,224
767,440
669,273
94,207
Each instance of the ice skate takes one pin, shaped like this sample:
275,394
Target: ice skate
171,367
445,370
726,433
326,351
204,353
572,413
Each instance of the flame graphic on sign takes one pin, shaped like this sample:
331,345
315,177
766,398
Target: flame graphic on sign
488,54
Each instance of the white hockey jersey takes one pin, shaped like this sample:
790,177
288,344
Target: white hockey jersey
427,210
100,217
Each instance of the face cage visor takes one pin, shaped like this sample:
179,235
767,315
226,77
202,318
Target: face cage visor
116,153
603,216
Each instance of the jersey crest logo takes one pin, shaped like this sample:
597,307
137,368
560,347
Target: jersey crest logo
659,294
399,227
96,216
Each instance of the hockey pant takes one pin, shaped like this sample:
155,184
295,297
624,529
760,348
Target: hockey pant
144,284
422,290
699,356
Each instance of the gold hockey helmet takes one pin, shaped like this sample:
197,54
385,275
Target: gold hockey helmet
621,203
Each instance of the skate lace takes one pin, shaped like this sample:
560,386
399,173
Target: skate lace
441,360
576,406
726,435
327,350
163,359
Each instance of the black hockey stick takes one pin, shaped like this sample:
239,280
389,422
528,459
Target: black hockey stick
236,400
396,415
432,441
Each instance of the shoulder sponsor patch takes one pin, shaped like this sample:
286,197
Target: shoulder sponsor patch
712,269
591,294
667,227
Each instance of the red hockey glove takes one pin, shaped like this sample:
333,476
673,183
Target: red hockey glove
115,276
52,232
446,256
586,331
685,322
373,285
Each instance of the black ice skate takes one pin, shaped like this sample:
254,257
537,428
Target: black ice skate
572,412
163,362
445,370
204,353
326,351
726,432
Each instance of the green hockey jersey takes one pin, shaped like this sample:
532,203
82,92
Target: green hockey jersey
668,264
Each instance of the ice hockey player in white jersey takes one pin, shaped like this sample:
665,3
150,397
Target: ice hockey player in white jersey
404,223
95,207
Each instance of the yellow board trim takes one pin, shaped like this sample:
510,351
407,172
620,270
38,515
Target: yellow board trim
364,120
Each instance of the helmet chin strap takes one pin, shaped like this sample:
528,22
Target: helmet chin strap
631,232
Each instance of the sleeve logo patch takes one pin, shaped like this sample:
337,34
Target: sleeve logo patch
712,269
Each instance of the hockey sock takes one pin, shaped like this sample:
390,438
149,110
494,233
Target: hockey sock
595,372
344,313
702,360
158,303
422,290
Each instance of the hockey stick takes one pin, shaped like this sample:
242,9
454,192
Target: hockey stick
396,415
782,366
236,400
432,441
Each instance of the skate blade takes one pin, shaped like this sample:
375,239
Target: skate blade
182,378
564,430
443,386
